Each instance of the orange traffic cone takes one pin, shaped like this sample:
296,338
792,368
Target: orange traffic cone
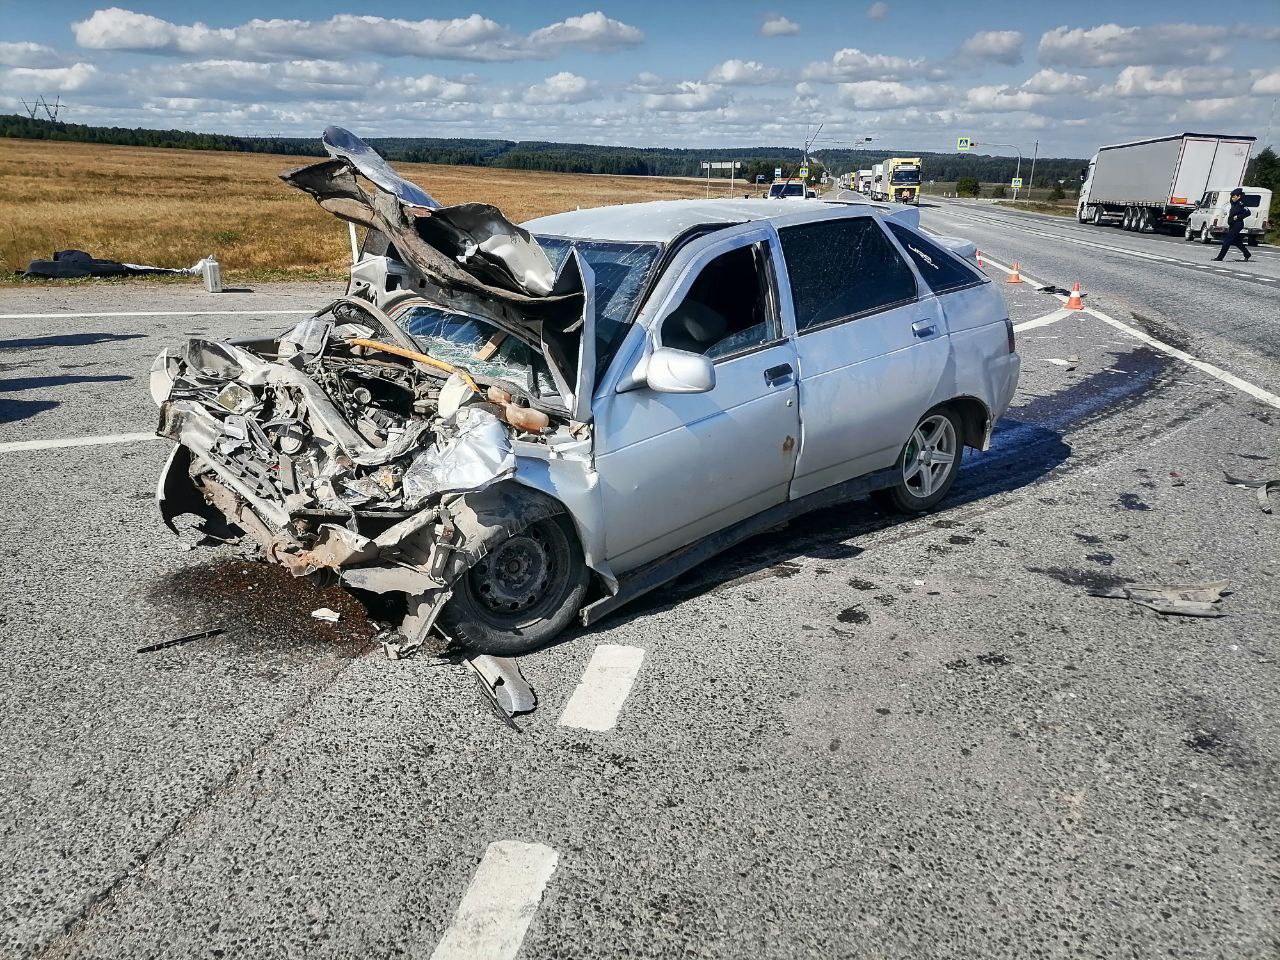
1015,277
980,263
1074,302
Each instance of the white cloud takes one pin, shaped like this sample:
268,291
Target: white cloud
1212,108
46,80
776,25
430,87
998,99
27,54
1268,83
321,80
880,94
1111,45
998,46
563,87
743,73
467,38
648,82
878,10
691,96
1053,83
1188,82
591,31
852,64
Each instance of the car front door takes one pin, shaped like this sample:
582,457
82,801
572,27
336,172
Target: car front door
675,467
872,352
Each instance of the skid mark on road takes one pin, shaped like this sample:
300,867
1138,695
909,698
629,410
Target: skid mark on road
500,903
597,701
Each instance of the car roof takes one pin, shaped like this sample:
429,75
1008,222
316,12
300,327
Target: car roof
661,221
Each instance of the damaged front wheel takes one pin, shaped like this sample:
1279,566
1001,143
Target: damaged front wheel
523,592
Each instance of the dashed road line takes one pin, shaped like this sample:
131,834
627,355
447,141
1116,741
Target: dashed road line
605,684
500,903
158,313
16,445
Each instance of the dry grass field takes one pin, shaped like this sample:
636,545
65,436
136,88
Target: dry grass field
169,208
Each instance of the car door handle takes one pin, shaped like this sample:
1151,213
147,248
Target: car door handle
777,374
924,328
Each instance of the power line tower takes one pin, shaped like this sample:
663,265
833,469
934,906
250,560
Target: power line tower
51,110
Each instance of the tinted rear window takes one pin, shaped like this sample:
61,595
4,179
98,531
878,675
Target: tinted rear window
942,271
841,269
1252,199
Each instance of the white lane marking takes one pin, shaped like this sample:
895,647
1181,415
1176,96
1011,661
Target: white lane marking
1214,371
160,313
499,905
1229,378
76,442
603,689
1044,321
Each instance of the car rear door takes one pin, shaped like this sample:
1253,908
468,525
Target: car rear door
673,467
871,351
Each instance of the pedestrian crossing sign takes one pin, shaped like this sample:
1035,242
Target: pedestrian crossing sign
963,143
1017,183
804,173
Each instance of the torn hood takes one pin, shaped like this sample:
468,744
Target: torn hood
473,259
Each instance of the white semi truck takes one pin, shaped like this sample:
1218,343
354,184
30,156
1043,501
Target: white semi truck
863,182
1153,185
877,180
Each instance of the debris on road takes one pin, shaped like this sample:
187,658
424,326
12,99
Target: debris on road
1183,599
76,264
504,687
1068,364
1264,488
151,648
324,613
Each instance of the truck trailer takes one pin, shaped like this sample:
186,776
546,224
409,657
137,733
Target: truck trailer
1153,185
862,183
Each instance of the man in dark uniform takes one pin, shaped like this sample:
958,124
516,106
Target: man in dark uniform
1235,223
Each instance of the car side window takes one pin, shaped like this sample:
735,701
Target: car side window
842,269
942,271
729,308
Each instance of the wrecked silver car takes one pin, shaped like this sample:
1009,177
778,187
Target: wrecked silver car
510,426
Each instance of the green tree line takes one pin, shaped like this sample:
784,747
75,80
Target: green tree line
558,157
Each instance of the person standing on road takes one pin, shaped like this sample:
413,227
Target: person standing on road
1236,217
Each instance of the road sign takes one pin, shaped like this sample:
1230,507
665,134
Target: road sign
1017,183
963,143
804,173
777,173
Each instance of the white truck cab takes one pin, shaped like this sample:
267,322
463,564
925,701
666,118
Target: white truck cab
1208,221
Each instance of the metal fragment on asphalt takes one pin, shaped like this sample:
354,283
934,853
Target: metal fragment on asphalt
1183,599
504,686
1264,488
150,648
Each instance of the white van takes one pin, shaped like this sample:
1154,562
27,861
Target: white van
1208,221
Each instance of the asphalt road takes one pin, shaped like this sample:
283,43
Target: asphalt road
858,736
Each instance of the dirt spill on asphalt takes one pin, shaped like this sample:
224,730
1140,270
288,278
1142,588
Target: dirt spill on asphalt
1089,579
262,609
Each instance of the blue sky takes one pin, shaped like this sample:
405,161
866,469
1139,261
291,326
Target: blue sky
914,75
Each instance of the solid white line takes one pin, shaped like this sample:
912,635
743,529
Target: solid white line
76,442
1044,321
603,689
499,905
1229,378
159,313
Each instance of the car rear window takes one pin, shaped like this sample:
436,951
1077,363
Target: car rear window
841,269
1252,199
942,271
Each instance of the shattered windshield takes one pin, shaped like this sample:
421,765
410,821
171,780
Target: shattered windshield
481,348
622,274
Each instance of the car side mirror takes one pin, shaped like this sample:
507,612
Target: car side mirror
678,371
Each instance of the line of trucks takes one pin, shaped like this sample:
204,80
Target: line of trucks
1175,184
896,179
